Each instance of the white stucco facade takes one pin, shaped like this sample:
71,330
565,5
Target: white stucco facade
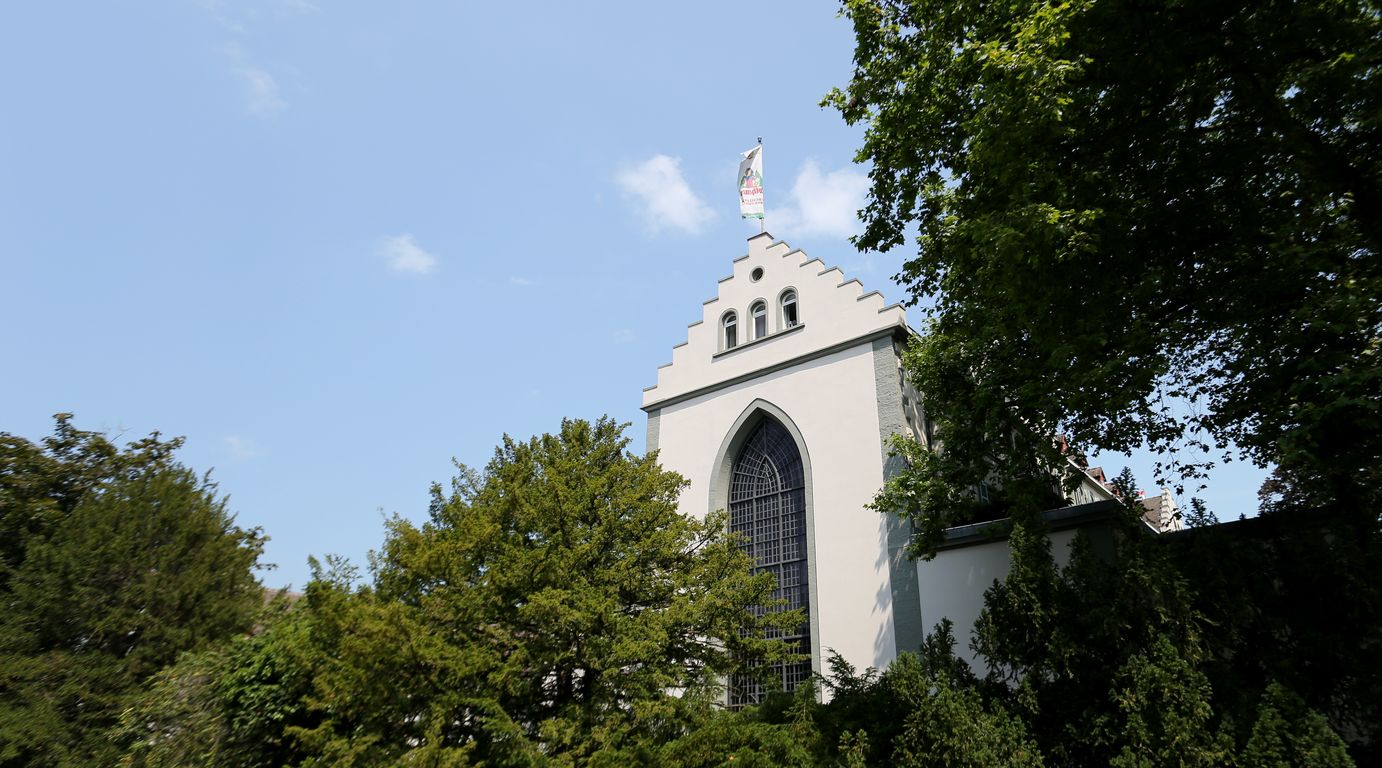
821,379
833,380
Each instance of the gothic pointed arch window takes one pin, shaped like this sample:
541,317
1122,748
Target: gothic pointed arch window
767,504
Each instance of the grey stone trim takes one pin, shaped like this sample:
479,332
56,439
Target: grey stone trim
693,325
829,269
654,430
710,301
721,473
851,280
684,343
727,278
808,263
894,306
650,389
738,259
760,339
870,293
908,628
774,368
794,250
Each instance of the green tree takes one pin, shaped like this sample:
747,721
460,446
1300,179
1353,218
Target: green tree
127,560
1164,714
233,705
1293,599
41,484
1135,222
1289,733
737,739
554,609
925,709
1145,223
1129,656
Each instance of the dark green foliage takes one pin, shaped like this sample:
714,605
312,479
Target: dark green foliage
230,706
1143,702
923,710
40,485
127,560
738,739
565,594
179,721
1122,661
547,609
141,570
1295,598
1146,224
1162,712
1136,223
1198,514
1289,733
555,609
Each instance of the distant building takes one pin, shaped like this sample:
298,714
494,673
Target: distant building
1161,513
778,407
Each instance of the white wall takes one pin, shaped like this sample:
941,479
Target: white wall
953,584
832,309
830,401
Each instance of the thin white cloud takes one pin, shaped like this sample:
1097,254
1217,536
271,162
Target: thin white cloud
261,92
405,255
239,447
624,336
521,282
666,200
821,203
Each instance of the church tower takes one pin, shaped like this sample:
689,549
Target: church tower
778,408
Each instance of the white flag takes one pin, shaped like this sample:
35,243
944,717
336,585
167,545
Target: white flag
751,184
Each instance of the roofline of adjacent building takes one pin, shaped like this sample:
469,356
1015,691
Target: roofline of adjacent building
1061,519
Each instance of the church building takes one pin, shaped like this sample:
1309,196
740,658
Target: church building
778,408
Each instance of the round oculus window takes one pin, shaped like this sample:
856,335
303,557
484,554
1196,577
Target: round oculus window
756,274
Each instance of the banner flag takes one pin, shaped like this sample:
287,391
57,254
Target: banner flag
751,184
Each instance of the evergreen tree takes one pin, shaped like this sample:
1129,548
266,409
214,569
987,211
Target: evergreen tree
233,705
127,560
554,609
1289,733
566,567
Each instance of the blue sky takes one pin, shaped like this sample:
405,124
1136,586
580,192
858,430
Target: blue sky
336,245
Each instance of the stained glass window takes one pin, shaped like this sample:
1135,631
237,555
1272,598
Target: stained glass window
767,504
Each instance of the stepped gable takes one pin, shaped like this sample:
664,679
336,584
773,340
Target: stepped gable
834,313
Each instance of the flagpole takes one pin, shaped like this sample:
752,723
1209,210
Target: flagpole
751,186
763,220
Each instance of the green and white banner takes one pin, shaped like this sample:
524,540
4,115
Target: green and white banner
751,184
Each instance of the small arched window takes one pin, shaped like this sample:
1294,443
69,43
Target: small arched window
789,308
731,329
759,312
